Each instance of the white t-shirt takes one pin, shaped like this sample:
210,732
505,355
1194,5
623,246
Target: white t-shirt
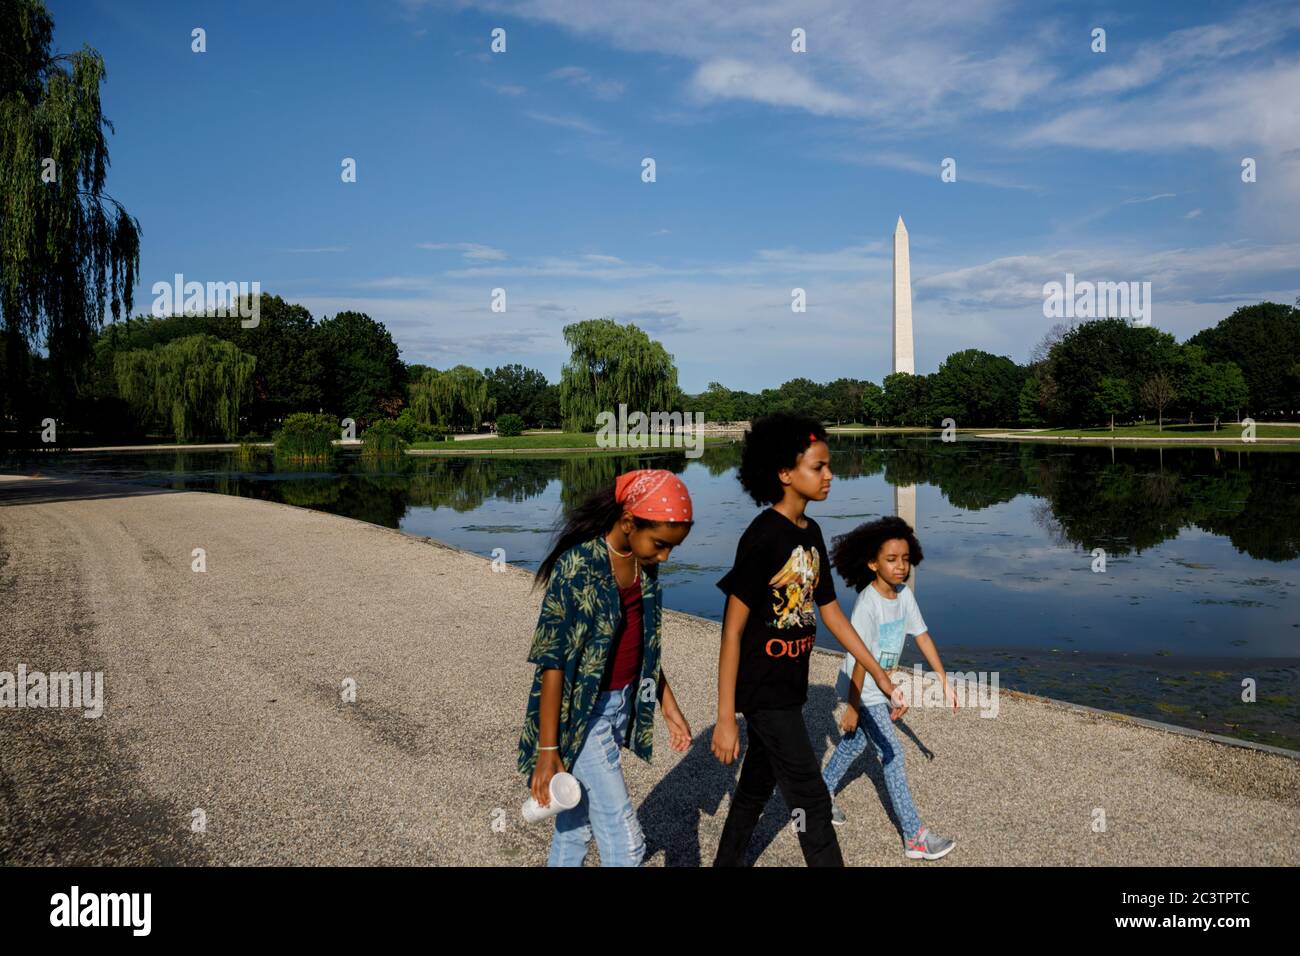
883,626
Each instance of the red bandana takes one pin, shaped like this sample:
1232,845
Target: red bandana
653,494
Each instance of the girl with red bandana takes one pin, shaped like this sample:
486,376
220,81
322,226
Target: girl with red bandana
598,673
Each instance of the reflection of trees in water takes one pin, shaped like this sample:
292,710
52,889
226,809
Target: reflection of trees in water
311,492
1262,517
720,459
1124,500
1093,497
970,476
1141,502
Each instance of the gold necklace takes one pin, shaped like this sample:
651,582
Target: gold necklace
636,565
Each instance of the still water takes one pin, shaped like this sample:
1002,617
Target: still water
1198,591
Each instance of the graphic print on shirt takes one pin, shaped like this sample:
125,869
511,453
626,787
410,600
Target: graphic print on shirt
792,605
891,643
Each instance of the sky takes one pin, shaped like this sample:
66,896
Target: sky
774,169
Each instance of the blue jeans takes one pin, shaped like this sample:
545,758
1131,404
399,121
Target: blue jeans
874,721
605,809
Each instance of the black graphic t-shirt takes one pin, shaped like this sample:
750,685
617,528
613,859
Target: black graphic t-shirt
782,573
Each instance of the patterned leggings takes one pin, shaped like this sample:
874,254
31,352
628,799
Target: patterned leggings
874,721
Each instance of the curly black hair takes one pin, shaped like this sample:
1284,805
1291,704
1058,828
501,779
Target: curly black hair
774,442
851,552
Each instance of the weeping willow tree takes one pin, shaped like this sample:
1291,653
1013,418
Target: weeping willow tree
613,364
66,247
455,398
196,384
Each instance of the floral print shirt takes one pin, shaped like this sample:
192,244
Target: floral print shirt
580,613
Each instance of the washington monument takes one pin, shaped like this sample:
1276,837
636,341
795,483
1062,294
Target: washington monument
904,360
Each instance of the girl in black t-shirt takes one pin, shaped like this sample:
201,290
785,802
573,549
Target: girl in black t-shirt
781,572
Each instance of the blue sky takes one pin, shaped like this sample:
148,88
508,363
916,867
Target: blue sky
775,169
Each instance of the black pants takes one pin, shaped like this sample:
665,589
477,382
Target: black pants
780,754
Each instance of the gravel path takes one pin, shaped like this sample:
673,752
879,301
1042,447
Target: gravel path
223,696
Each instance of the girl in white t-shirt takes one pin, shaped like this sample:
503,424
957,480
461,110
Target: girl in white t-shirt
875,559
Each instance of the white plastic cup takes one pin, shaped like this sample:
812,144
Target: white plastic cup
566,792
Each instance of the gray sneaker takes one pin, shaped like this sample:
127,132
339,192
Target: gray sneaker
928,846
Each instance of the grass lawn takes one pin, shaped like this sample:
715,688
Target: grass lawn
550,440
1228,430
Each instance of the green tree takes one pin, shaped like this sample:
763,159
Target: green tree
456,398
363,376
717,403
844,398
1112,397
1263,340
802,396
1098,349
977,388
518,389
290,363
196,385
613,364
873,403
907,399
66,246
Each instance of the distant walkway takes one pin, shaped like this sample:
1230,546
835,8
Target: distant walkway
1211,439
222,695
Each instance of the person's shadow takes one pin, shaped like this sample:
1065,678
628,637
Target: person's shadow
670,815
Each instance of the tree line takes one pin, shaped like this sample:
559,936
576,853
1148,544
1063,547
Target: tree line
197,376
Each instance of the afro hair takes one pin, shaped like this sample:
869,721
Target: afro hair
851,552
775,442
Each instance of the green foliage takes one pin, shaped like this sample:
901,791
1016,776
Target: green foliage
363,375
509,425
247,453
613,364
306,438
906,399
976,388
1031,402
1095,350
716,403
383,439
873,403
1263,341
456,398
522,391
195,384
66,247
844,399
413,430
1112,397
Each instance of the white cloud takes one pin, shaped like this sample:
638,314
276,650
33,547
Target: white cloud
470,250
565,122
774,84
604,89
1129,202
